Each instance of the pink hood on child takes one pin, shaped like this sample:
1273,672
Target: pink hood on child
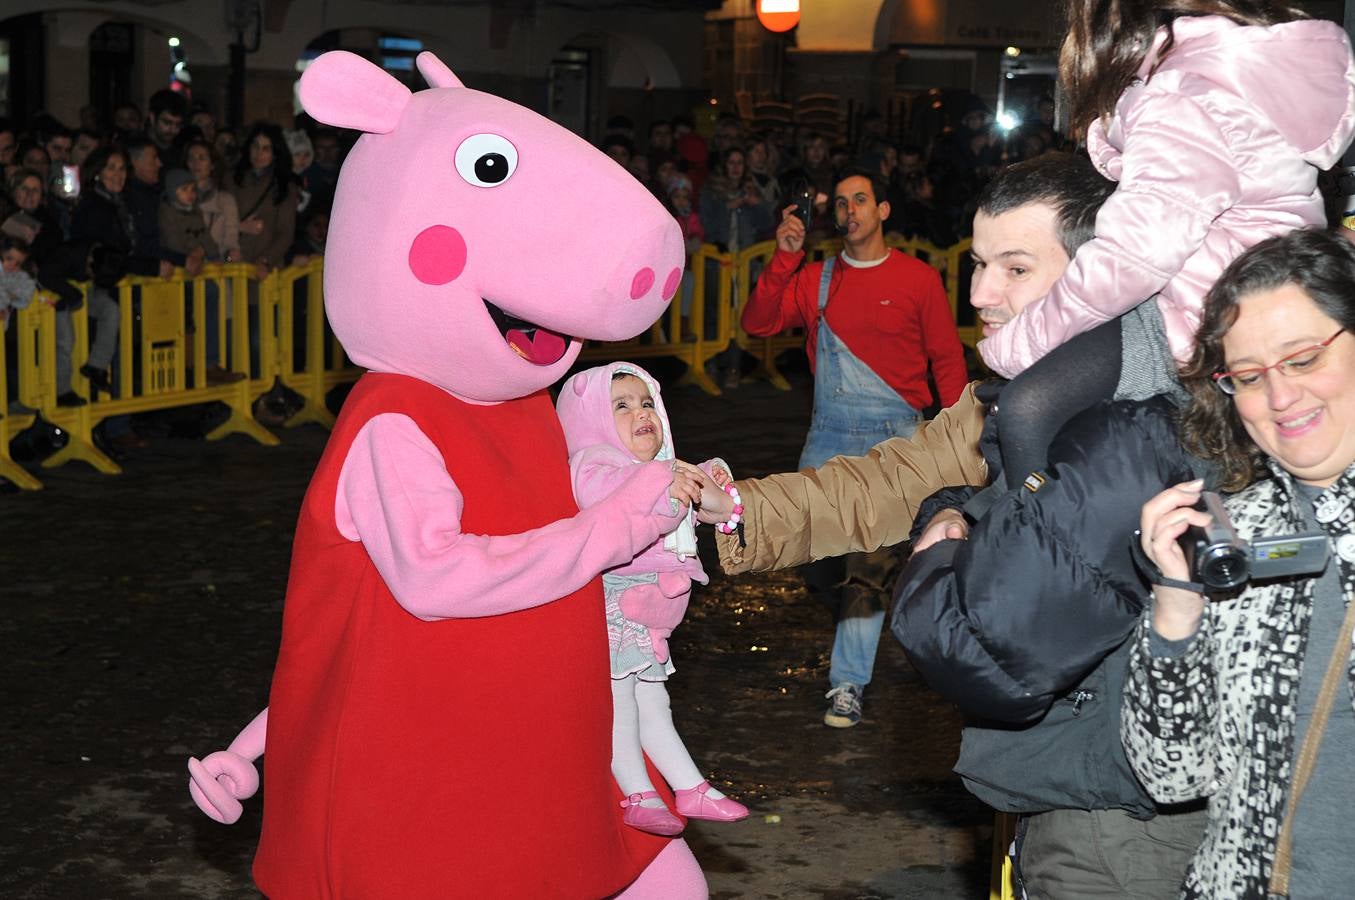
1218,150
585,410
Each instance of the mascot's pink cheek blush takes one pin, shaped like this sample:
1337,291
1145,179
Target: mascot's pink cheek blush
437,255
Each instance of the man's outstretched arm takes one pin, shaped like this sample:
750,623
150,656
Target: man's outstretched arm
855,503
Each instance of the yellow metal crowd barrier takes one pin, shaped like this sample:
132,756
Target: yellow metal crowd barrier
720,283
255,334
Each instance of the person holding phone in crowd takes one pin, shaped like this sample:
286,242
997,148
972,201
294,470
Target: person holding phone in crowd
876,320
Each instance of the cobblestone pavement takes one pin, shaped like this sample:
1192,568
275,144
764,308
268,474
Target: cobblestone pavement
141,623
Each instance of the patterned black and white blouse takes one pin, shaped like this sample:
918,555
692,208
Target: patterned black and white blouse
1218,721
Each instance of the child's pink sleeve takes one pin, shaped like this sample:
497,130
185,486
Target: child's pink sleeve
598,472
1177,175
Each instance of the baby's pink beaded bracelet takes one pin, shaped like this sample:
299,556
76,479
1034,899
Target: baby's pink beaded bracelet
733,523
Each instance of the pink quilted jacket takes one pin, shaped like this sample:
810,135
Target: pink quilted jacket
1217,151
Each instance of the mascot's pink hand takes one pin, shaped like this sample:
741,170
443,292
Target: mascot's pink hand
219,782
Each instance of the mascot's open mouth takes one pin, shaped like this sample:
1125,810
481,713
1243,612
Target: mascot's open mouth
532,342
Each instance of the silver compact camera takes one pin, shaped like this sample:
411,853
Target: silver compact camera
1222,561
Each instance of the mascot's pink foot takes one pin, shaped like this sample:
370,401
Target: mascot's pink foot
655,820
696,803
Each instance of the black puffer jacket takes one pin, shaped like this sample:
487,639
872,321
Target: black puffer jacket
1020,624
1011,619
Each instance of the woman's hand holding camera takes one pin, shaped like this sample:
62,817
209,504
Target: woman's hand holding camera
1176,612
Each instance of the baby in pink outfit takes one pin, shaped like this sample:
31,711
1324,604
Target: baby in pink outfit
613,420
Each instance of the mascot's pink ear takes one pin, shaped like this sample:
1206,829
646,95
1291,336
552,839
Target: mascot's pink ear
580,384
435,71
344,90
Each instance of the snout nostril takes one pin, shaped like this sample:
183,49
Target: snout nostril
641,283
670,285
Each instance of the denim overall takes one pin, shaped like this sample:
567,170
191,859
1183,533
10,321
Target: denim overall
854,409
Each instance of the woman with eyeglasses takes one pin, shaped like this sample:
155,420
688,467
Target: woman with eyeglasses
1224,688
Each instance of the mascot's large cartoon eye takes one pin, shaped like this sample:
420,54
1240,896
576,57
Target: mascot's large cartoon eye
486,160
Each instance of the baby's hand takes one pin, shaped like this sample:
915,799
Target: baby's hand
720,476
686,487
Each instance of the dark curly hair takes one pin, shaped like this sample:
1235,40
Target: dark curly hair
1320,264
1108,40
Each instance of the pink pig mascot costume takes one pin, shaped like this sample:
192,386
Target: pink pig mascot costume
439,722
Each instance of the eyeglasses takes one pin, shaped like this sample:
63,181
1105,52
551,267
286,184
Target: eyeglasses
1301,362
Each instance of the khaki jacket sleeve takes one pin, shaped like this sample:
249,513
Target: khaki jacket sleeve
855,503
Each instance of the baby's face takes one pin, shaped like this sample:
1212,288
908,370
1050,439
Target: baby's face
637,422
186,193
12,260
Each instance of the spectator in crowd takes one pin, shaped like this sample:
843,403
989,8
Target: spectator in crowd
814,167
9,143
660,144
204,121
16,292
1226,696
183,227
217,206
32,219
310,240
733,211
302,155
168,112
662,177
33,155
323,174
920,217
222,219
56,139
680,201
622,126
126,119
734,216
911,160
266,195
762,169
103,225
17,284
142,199
619,148
639,167
727,135
691,150
227,149
84,144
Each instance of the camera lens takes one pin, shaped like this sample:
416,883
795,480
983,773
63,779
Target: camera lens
1222,567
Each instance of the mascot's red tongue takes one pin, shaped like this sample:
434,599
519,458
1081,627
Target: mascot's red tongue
543,348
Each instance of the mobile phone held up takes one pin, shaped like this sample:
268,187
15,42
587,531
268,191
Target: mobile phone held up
66,184
802,195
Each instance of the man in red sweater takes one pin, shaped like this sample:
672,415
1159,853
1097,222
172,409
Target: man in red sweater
875,319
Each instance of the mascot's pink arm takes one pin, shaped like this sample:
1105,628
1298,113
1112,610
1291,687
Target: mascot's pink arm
222,779
404,507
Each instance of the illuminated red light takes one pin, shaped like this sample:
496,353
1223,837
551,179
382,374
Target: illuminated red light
778,15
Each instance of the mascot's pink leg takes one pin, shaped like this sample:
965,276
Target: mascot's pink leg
673,875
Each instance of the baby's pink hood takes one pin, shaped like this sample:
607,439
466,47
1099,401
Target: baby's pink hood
585,409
